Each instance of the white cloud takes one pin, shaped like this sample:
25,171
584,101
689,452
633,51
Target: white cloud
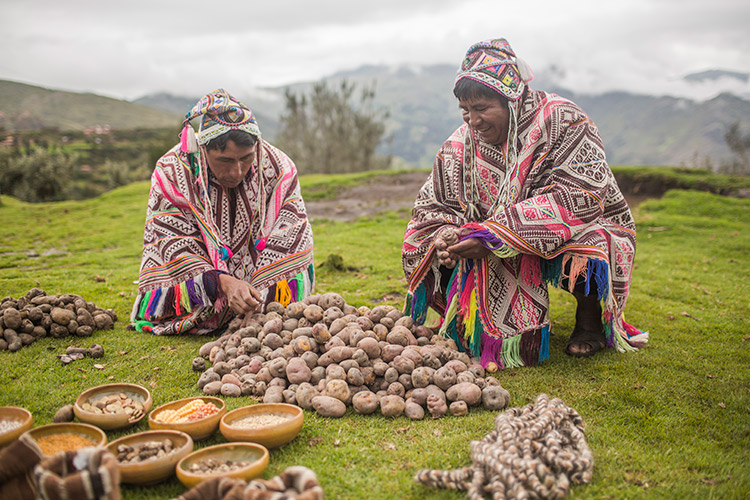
185,47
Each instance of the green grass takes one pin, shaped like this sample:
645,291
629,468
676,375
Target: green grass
670,421
327,186
655,181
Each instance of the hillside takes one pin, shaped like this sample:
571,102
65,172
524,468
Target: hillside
28,107
637,129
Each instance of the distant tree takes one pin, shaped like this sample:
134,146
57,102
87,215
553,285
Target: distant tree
37,175
739,144
329,133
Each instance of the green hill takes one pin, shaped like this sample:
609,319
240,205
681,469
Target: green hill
27,107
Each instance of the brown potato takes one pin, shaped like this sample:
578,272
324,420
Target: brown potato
327,406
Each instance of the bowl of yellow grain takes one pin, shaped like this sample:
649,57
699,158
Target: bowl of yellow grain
54,438
198,417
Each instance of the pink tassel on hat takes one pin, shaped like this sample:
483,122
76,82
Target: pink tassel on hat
188,141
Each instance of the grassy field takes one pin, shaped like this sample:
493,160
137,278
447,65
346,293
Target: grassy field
670,421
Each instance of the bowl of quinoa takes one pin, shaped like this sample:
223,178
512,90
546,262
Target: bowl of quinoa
270,424
56,438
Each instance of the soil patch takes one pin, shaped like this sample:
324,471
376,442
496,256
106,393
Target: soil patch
388,192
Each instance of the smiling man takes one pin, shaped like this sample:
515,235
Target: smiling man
519,196
226,227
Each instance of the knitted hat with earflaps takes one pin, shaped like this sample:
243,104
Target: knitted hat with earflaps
493,63
220,112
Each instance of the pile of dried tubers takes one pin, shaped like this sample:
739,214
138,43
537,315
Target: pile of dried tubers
36,314
324,354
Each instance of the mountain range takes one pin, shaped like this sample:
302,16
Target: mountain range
637,129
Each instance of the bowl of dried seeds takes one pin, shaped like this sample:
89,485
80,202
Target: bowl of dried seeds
113,406
198,417
150,457
14,421
244,461
269,424
54,438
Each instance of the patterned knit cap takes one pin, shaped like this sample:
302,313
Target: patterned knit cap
220,112
493,63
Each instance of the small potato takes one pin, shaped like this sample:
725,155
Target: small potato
327,406
467,392
495,397
275,325
456,365
444,378
403,364
332,314
436,406
64,414
297,371
337,325
458,409
305,394
392,406
465,377
396,389
313,313
422,376
295,310
365,402
399,335
389,352
213,388
413,411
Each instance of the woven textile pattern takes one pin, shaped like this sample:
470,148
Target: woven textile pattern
176,244
560,201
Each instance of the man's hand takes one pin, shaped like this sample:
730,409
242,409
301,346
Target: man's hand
446,238
470,248
243,299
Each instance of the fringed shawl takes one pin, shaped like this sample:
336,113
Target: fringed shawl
557,207
257,232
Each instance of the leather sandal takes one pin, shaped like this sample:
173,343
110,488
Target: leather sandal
594,340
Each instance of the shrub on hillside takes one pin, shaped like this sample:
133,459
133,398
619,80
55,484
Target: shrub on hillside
37,175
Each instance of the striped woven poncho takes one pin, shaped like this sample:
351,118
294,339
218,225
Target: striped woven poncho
555,206
196,229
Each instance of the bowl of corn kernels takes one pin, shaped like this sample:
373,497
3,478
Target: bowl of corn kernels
198,417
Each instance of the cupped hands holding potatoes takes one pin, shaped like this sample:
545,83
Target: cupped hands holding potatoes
450,247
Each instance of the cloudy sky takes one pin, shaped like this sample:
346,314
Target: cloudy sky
127,49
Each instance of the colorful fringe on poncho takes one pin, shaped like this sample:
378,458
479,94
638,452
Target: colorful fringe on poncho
556,206
196,229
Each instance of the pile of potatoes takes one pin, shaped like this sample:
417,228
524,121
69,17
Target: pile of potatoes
324,354
36,314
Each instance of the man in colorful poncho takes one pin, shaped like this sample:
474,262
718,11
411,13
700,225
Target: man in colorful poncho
519,196
226,228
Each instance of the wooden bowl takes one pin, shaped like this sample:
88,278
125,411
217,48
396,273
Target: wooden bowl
254,453
109,421
198,429
91,433
14,414
154,470
270,436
